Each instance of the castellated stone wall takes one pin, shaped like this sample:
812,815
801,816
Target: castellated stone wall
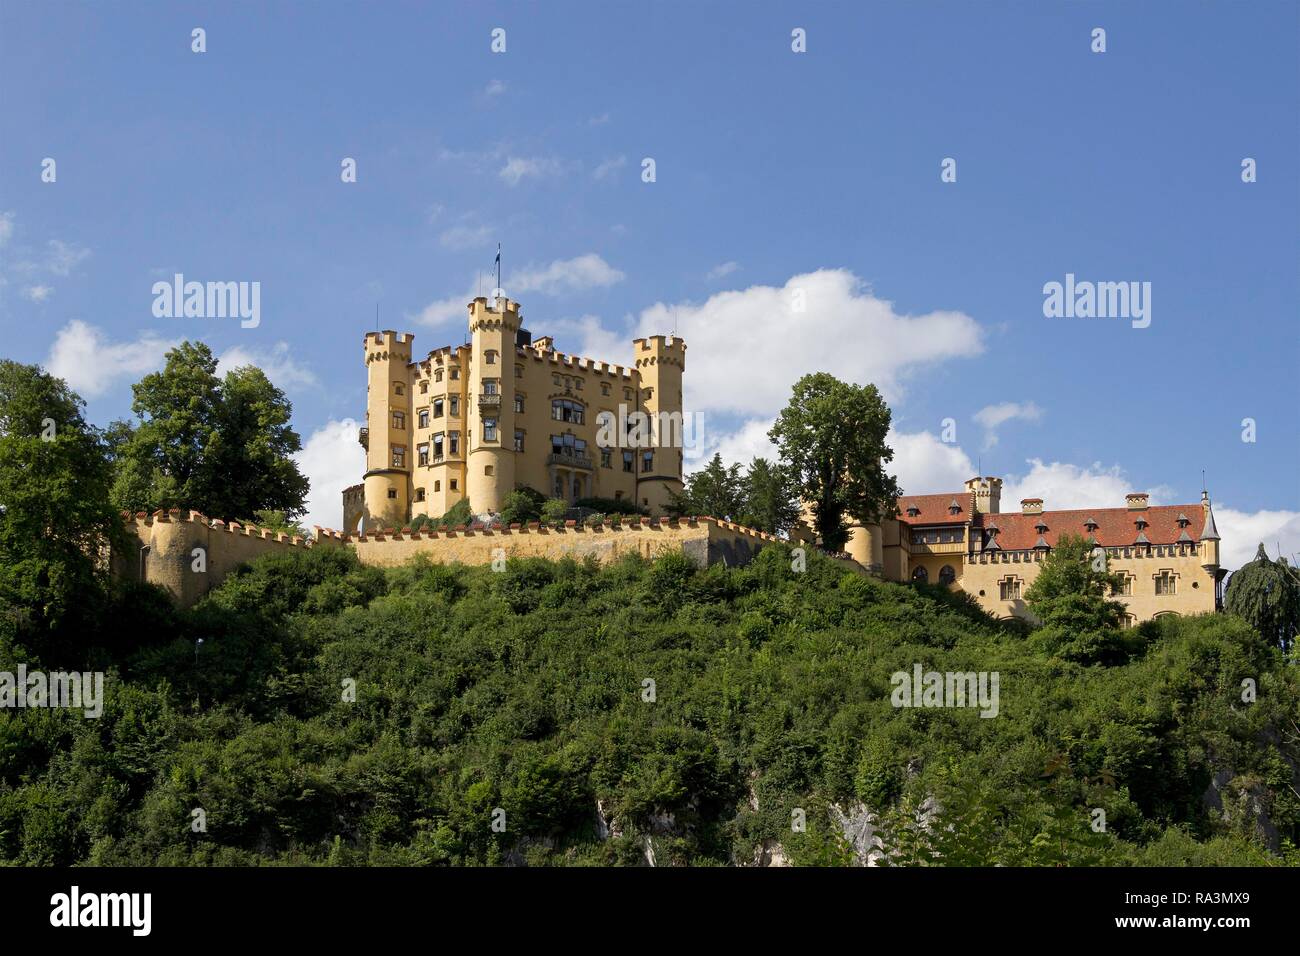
188,554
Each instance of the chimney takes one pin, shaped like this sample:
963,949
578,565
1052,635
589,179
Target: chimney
1031,506
1137,501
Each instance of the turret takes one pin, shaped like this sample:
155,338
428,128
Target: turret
660,362
987,494
1209,536
388,430
490,418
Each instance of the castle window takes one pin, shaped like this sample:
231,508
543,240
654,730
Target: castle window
423,452
577,383
452,485
455,374
455,444
1009,589
399,420
455,406
424,387
392,492
1124,587
519,371
1166,583
564,410
437,407
605,458
423,418
947,575
437,447
627,461
489,386
555,378
437,486
419,494
489,429
519,404
397,388
399,456
604,388
647,461
519,440
921,574
437,375
490,357
627,394
489,470
913,511
577,488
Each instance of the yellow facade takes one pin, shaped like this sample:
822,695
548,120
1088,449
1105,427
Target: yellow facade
503,412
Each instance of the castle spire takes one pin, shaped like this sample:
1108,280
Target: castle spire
1209,532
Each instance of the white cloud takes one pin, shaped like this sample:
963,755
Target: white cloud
332,460
844,330
91,365
1243,531
37,293
596,341
277,362
750,441
64,257
519,168
993,417
495,88
609,167
725,269
600,120
441,311
6,227
924,465
566,275
1064,486
465,236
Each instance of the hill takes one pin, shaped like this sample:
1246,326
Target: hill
429,714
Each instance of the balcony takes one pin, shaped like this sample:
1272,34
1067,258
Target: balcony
937,547
570,461
489,400
363,436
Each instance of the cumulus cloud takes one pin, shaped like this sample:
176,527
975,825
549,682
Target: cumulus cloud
725,269
465,236
495,88
277,362
843,329
992,417
62,257
91,364
566,275
38,293
1063,485
332,460
1242,532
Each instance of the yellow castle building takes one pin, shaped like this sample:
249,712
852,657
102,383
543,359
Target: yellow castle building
1167,555
504,411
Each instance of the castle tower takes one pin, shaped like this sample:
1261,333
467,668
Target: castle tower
387,434
988,494
661,361
490,419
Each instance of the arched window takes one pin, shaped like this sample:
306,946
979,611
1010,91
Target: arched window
947,575
921,574
565,410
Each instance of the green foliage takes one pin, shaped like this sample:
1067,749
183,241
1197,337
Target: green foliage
554,510
525,690
771,499
832,439
458,514
521,507
220,446
1070,597
764,498
715,490
55,516
1267,594
612,506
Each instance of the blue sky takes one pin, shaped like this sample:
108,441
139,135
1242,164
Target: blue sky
775,171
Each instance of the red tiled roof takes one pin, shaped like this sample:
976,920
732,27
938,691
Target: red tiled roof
934,508
1116,527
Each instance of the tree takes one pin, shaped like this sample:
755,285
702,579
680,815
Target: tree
1267,594
223,447
771,503
1071,597
831,436
55,514
714,490
521,506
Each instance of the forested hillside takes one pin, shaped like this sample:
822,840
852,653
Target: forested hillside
520,699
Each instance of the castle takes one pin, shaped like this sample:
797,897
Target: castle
1166,555
477,421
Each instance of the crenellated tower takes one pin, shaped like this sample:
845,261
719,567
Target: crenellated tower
660,362
386,435
490,421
